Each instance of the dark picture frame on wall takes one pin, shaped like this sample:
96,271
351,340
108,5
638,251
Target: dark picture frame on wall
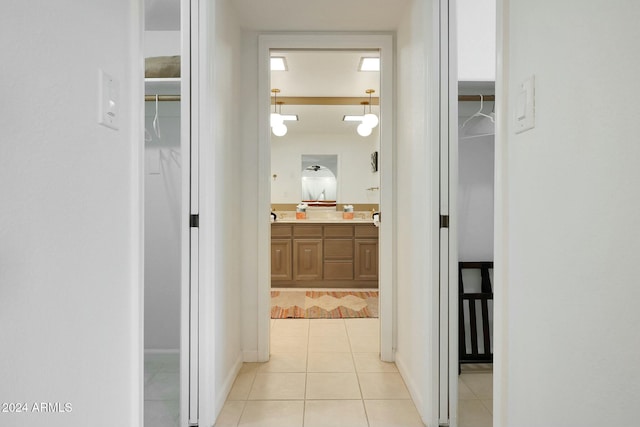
374,161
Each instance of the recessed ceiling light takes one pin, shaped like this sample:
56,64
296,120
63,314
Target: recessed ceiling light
352,118
279,63
369,64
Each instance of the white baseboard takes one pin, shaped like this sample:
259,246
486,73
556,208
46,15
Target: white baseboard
227,384
410,381
250,356
161,351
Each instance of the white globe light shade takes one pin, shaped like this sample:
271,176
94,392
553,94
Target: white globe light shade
276,119
364,130
280,130
371,120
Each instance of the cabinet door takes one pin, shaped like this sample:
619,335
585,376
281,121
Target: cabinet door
281,259
366,259
307,259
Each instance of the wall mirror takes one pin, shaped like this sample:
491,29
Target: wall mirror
319,177
317,90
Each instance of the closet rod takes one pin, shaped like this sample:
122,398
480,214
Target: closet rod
476,98
152,98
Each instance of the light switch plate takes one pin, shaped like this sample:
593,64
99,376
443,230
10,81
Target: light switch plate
524,112
109,101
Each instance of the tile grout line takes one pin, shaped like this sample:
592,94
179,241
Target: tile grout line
306,373
353,359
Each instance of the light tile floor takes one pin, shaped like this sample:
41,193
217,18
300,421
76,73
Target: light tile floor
314,385
322,373
161,390
475,398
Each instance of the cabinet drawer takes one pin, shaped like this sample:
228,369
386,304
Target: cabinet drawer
307,231
280,230
338,248
368,230
338,231
338,270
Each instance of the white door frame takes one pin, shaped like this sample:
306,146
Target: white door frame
448,342
190,269
387,138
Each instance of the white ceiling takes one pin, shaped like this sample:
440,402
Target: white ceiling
320,15
325,73
292,15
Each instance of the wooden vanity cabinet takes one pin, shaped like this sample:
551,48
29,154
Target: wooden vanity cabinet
338,252
281,254
324,255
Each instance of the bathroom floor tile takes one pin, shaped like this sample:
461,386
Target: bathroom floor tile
364,343
464,392
370,362
334,413
285,362
332,386
472,413
365,326
290,330
323,329
230,414
329,344
392,413
269,413
288,344
241,387
481,384
330,362
387,385
278,386
488,403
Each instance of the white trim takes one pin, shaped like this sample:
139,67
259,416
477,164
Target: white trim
501,221
387,248
410,382
228,384
452,131
136,102
185,140
250,356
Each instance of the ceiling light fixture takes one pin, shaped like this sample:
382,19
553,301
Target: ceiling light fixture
279,63
277,119
369,64
370,119
364,129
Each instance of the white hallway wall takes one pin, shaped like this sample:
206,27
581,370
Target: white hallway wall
571,248
162,211
70,252
221,202
417,205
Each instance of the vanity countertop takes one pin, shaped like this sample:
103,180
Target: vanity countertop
329,217
323,220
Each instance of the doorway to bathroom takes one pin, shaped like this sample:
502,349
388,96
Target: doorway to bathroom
321,93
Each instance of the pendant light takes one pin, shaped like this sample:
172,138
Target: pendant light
275,119
370,119
364,129
279,129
